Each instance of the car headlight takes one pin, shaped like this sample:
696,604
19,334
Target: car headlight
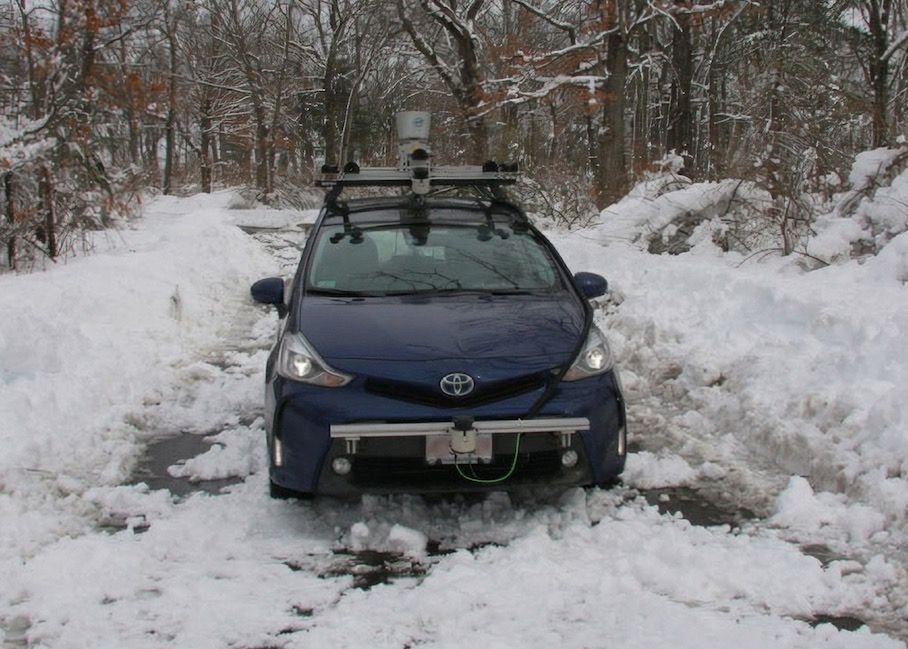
595,358
297,360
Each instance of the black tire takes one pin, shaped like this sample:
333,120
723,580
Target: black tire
607,484
278,492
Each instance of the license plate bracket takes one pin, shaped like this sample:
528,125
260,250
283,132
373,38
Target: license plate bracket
438,450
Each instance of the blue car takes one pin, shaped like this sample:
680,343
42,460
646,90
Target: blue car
437,345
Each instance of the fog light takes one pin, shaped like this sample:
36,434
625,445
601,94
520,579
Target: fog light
569,458
341,465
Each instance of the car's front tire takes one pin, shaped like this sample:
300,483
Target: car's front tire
278,492
607,484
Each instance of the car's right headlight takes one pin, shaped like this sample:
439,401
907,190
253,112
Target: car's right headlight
595,358
297,360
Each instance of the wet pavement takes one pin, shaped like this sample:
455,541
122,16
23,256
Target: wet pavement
696,507
168,451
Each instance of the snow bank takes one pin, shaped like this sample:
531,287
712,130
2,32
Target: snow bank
87,342
634,579
800,509
669,213
648,471
801,373
871,215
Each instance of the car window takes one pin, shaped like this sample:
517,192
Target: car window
381,259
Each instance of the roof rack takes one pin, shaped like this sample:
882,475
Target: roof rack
420,179
415,169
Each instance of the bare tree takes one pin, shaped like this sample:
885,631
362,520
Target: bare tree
445,33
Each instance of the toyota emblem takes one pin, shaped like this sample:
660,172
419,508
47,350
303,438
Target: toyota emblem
457,384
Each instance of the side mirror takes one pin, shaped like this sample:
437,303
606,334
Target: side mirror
270,291
591,285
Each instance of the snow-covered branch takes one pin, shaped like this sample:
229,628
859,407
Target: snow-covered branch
897,43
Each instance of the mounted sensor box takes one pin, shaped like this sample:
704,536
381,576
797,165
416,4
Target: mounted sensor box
412,133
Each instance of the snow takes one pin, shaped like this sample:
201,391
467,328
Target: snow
805,371
784,390
869,164
20,142
648,470
654,208
871,215
799,508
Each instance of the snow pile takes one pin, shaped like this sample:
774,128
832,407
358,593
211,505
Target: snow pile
87,342
388,537
59,354
802,373
668,213
873,214
648,470
18,144
634,578
235,452
800,509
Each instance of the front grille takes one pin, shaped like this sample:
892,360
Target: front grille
398,463
414,472
433,396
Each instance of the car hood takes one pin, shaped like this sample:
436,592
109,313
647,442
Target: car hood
492,328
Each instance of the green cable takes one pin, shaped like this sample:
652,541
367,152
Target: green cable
494,480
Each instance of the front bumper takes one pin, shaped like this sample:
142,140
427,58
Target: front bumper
385,439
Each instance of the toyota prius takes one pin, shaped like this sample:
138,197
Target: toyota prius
437,345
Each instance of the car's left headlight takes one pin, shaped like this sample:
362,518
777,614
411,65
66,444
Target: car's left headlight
595,358
297,360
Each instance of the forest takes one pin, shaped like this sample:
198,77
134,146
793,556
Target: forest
104,101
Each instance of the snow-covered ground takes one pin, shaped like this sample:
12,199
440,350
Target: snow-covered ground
765,387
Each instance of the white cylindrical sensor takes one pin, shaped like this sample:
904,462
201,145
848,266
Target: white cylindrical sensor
413,125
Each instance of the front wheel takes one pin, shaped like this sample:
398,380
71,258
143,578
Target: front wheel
278,492
607,484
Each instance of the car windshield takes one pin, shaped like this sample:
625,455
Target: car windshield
403,259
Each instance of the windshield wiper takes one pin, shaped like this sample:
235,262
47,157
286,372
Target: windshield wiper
431,292
335,292
520,291
466,291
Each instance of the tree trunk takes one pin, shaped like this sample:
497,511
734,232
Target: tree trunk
329,131
205,146
169,142
50,214
679,126
476,123
878,24
592,155
642,127
262,148
11,218
612,173
134,137
35,87
170,125
152,137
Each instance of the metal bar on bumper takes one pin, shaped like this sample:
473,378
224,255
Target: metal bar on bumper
554,425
